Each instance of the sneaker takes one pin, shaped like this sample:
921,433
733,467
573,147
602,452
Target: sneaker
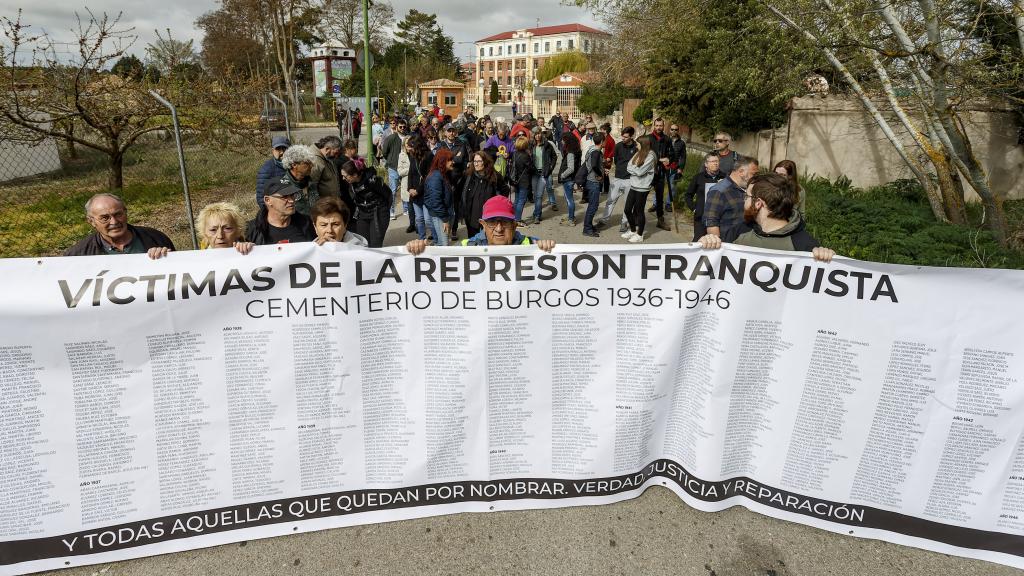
394,217
627,234
554,207
592,234
599,222
536,219
663,225
522,224
636,238
623,227
410,230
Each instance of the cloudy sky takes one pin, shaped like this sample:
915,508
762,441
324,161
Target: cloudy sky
464,20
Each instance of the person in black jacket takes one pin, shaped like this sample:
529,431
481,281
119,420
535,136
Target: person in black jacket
702,181
520,176
482,183
460,157
420,159
108,216
278,222
372,198
662,146
544,157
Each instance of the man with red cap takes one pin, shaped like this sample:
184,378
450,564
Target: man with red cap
498,228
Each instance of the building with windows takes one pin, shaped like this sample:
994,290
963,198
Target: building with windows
449,95
513,58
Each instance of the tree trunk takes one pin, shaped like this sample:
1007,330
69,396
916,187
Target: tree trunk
115,180
883,124
69,129
1018,19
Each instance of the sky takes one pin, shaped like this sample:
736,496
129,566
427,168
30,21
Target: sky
464,20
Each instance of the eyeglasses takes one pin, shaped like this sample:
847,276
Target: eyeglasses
498,223
674,129
106,218
720,140
478,162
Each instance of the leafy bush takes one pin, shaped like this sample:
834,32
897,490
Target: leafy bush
644,112
893,223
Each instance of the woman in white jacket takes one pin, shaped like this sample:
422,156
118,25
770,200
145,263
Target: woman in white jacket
403,173
641,174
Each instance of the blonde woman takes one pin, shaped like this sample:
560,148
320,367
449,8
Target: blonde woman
220,225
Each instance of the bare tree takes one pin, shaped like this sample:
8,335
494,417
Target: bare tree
42,95
343,20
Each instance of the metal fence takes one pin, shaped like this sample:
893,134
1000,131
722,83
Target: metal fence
45,187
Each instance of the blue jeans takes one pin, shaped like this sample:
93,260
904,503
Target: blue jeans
420,218
569,201
394,180
437,225
551,190
593,198
671,187
540,186
521,193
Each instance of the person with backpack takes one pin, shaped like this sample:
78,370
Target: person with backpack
520,176
571,160
592,170
641,174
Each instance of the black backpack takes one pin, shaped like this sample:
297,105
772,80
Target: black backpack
584,169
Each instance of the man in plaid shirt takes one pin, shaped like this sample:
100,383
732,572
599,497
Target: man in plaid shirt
724,206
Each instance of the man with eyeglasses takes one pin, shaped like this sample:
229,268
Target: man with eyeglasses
723,208
278,222
726,156
770,221
498,223
112,234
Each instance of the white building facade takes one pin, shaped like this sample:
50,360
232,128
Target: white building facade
513,58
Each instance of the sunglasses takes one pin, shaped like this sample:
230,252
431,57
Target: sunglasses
720,140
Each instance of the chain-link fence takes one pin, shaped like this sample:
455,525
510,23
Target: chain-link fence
45,187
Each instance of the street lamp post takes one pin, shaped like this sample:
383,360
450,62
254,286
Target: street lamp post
480,82
533,106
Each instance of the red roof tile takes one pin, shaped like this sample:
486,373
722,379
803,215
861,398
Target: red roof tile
546,31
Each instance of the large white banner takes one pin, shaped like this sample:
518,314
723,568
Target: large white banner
209,397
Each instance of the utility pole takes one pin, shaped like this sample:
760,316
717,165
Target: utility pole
370,156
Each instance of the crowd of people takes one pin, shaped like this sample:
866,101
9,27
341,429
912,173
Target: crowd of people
440,172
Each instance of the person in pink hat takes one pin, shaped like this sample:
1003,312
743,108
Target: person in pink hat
498,228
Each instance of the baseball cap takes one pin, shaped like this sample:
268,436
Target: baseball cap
449,126
281,188
498,207
280,142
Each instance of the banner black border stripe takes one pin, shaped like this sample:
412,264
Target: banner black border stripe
52,547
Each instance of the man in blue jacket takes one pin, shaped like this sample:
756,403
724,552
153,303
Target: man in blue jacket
272,170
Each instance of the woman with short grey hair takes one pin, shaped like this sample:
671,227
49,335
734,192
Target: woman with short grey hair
298,162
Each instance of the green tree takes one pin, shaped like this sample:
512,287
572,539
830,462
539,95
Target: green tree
573,61
129,67
493,96
421,35
601,99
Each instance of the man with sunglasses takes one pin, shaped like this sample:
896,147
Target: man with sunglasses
278,222
498,228
726,156
390,151
675,168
